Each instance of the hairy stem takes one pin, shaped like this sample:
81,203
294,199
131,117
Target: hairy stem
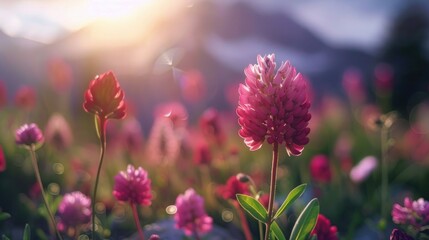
274,166
52,224
101,129
137,221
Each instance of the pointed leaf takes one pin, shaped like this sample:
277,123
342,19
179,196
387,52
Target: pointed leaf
27,232
276,232
291,197
306,221
4,237
253,207
4,216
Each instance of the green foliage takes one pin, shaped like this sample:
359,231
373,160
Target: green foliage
306,221
4,216
27,233
253,207
276,232
291,197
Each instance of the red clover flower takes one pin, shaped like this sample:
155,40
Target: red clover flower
29,135
133,186
191,216
320,169
74,211
105,99
414,213
233,187
324,230
274,106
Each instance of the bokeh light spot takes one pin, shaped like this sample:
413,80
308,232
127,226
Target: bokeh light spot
100,208
227,215
172,209
54,189
58,168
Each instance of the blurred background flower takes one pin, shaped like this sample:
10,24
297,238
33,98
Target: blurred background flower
183,62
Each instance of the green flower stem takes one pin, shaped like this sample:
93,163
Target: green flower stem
384,177
272,189
137,221
101,129
243,220
255,194
52,223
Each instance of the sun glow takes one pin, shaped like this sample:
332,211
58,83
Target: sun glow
113,9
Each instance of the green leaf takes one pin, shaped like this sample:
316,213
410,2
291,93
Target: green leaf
41,234
4,216
27,232
4,237
276,232
291,197
253,207
306,221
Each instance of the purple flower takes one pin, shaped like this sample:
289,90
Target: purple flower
324,230
320,169
353,85
191,216
211,126
399,235
154,237
74,211
25,98
133,186
58,132
274,106
232,187
29,135
363,169
414,213
132,137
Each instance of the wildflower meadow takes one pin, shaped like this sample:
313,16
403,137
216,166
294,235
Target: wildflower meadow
100,147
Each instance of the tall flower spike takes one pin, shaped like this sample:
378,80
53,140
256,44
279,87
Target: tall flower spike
274,106
105,99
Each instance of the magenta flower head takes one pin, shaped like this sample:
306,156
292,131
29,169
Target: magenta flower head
413,213
233,187
133,186
74,211
29,135
320,169
324,230
191,216
58,132
274,106
363,169
25,98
